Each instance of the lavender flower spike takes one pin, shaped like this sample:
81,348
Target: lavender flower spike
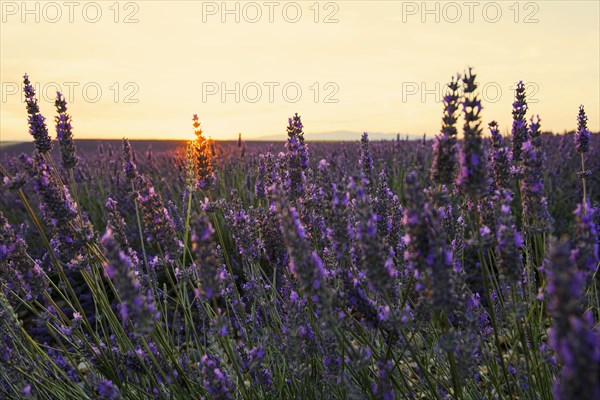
64,134
297,158
582,144
128,161
202,157
536,217
499,158
583,135
366,163
443,165
472,174
37,124
519,126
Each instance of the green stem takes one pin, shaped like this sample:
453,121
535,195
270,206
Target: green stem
187,223
139,224
583,179
74,186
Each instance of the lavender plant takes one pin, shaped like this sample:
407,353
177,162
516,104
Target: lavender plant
519,125
64,134
443,165
582,144
37,122
472,172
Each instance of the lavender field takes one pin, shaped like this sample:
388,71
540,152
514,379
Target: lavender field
464,267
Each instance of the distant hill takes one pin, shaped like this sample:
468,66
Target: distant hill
340,136
11,148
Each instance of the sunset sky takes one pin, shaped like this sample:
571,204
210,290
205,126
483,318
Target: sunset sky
140,69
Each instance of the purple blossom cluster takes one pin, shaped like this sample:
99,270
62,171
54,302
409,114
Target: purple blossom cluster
536,217
37,122
499,159
519,126
472,171
64,134
444,163
296,158
582,135
21,273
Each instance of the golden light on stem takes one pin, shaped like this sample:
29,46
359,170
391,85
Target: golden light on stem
201,148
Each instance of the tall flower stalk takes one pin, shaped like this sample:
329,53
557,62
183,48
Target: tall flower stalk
130,170
202,157
37,122
366,163
499,158
297,158
536,217
582,144
64,133
190,190
519,125
472,173
443,165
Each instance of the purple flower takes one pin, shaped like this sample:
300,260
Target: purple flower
430,261
60,212
296,159
129,161
472,173
376,259
19,271
158,225
265,176
508,240
305,264
107,390
536,217
135,305
519,126
583,135
37,124
535,135
443,164
214,379
244,228
499,158
389,212
366,163
64,134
